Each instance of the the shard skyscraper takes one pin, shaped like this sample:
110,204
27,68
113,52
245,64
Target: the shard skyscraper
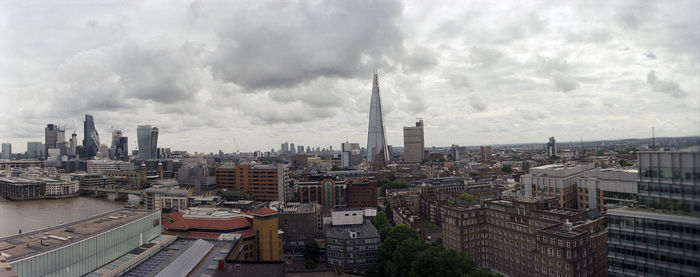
377,153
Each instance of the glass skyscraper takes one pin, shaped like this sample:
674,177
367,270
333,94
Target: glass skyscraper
377,153
660,235
91,139
147,138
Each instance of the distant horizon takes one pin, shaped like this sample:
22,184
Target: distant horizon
222,75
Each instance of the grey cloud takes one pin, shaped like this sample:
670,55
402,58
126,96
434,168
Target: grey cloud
484,56
666,86
564,83
334,39
650,55
477,103
421,59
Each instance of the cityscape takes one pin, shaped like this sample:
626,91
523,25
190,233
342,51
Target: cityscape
502,139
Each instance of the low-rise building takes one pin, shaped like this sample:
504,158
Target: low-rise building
351,240
554,180
601,188
300,223
167,198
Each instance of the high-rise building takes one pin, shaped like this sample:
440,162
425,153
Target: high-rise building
91,139
73,144
413,143
291,148
6,151
552,147
350,154
300,149
660,236
485,152
50,138
377,153
147,137
35,150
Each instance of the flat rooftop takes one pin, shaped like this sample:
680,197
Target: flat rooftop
32,243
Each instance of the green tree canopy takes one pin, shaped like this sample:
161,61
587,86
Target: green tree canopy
467,196
439,261
312,251
404,255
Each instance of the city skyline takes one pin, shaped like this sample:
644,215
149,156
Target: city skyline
566,70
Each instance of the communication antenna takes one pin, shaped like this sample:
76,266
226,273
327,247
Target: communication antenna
653,138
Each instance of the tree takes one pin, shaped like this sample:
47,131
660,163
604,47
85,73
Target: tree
439,261
467,196
507,169
310,264
625,163
335,168
312,251
391,241
404,255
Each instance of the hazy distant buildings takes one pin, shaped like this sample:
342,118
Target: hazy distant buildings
377,152
414,143
552,147
147,137
91,139
350,154
35,150
6,151
50,138
72,150
485,153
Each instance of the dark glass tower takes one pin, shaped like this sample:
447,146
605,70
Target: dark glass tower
91,140
147,138
377,153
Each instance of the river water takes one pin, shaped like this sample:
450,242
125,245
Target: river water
37,214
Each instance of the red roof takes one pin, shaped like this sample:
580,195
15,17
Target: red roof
245,234
264,211
178,222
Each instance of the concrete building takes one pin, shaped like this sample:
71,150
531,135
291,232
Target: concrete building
166,198
351,240
80,247
554,180
265,182
599,189
660,236
300,223
552,147
414,143
73,150
485,153
35,150
101,166
6,151
350,154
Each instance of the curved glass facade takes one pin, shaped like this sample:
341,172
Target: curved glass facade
377,153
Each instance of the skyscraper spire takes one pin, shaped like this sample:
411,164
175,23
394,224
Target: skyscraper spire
377,153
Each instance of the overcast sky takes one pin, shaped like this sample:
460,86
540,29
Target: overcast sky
213,74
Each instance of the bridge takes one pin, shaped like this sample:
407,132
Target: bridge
121,193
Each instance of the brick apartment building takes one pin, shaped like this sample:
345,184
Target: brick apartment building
527,237
265,182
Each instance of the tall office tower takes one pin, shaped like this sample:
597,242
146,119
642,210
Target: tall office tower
377,153
50,137
282,148
147,137
308,149
6,151
73,144
350,154
454,152
300,149
122,148
35,150
61,142
291,148
91,140
660,236
485,152
413,143
116,134
551,147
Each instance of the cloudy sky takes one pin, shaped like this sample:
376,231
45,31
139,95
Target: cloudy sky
214,74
